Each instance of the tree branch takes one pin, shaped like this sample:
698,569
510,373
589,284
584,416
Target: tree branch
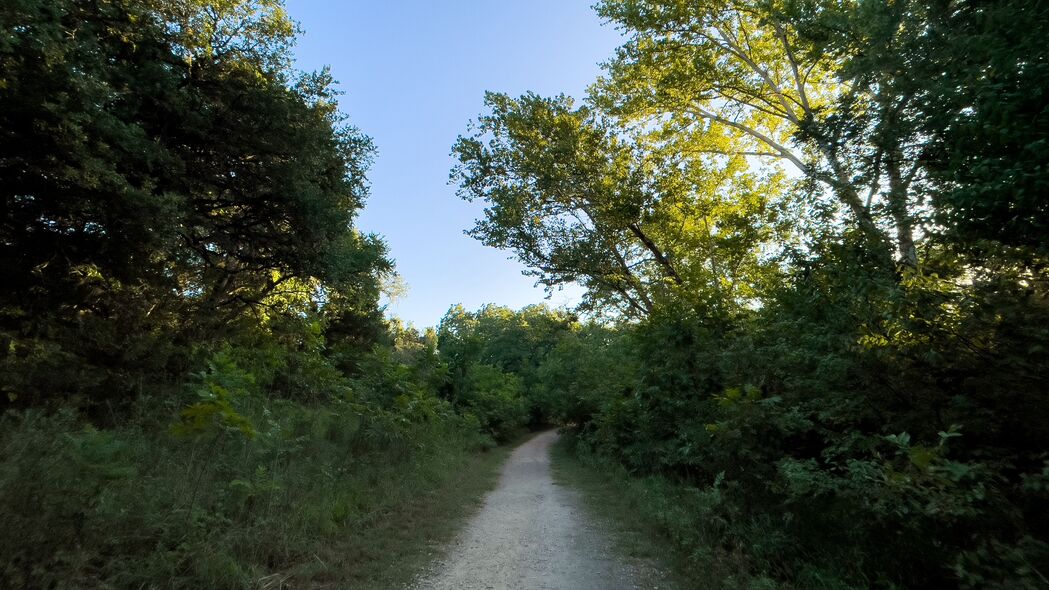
778,147
659,255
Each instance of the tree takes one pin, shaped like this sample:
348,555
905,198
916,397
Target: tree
979,77
477,345
735,78
164,171
578,199
879,356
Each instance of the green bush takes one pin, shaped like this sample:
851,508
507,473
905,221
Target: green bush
496,399
815,441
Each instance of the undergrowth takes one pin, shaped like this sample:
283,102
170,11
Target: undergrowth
317,493
672,522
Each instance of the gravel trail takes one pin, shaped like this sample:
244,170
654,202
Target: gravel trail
532,534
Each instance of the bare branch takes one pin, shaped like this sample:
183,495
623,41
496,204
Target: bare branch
660,256
778,147
735,49
799,82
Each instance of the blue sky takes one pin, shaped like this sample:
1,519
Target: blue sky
414,73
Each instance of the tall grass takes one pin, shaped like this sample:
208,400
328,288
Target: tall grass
305,497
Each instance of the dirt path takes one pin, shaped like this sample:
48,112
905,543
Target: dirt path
532,534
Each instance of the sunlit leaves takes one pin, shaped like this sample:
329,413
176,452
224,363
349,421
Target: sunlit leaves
580,198
241,32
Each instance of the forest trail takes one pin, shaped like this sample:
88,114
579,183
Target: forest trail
533,534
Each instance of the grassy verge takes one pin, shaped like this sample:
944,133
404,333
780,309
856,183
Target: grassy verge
422,512
635,510
318,497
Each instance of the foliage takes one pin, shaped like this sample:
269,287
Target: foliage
135,506
579,199
813,233
165,176
200,389
492,358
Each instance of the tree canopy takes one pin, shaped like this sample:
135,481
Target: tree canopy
165,171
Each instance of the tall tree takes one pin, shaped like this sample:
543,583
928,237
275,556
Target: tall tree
163,170
578,198
735,78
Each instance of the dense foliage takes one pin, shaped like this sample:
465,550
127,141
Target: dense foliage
198,385
816,234
812,233
167,179
492,359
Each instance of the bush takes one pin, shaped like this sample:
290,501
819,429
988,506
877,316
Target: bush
496,399
855,431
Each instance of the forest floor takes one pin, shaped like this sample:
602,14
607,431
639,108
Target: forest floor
533,533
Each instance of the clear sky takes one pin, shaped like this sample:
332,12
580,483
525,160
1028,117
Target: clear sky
414,72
